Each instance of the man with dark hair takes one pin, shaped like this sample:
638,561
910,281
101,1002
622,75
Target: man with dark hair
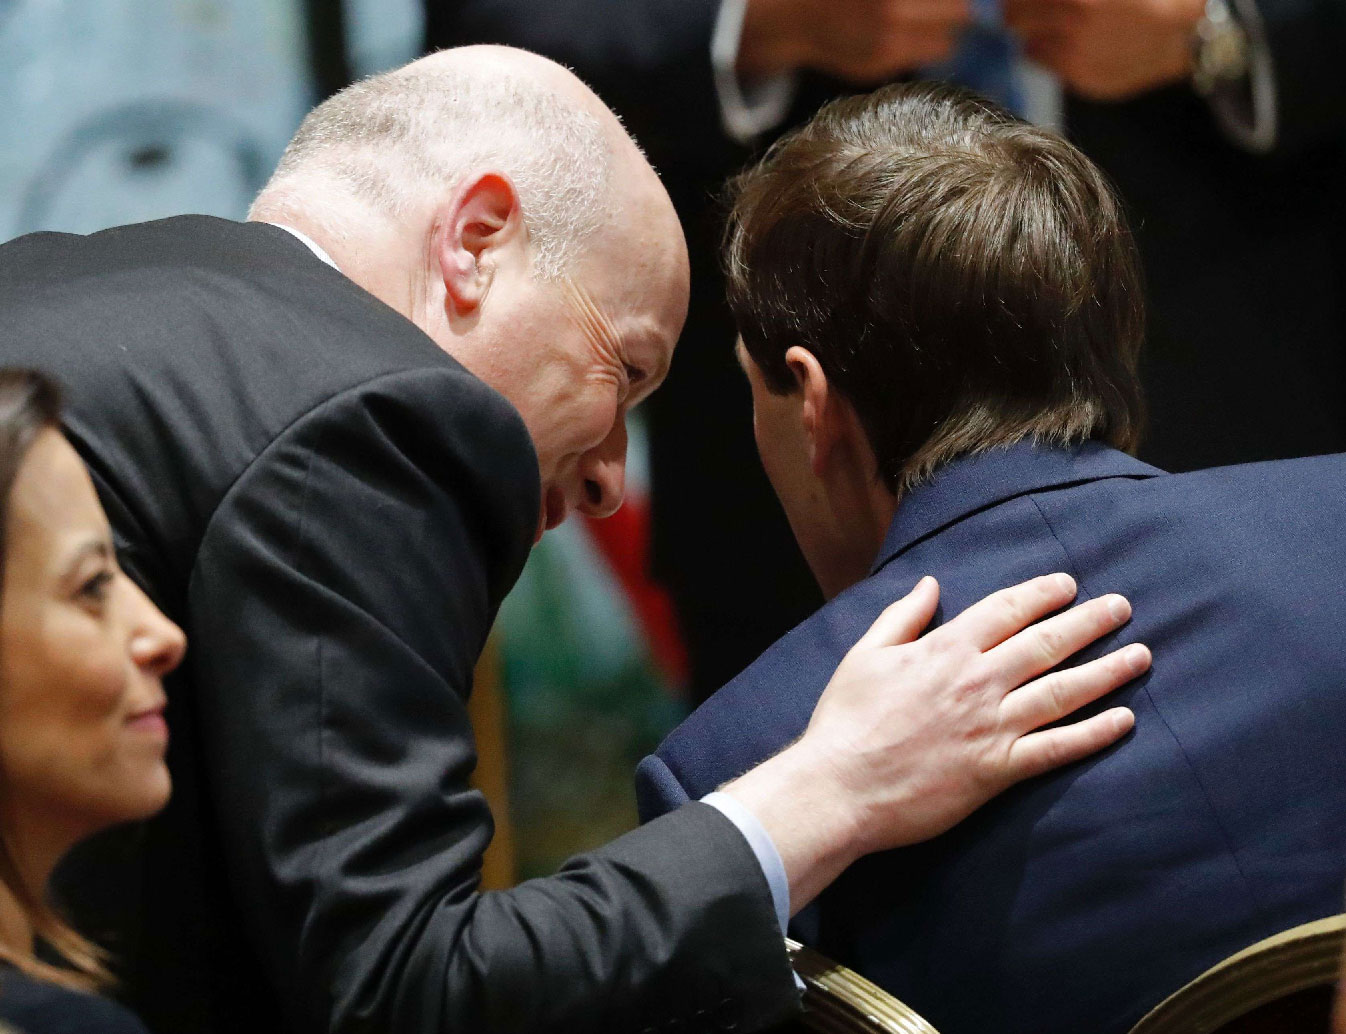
940,320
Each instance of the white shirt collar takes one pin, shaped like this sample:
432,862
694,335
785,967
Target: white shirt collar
311,244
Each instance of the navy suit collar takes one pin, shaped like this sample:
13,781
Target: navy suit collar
975,482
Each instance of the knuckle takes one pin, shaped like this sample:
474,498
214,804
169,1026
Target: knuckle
1050,645
1057,693
1015,607
1052,755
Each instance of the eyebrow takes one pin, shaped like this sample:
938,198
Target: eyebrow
91,547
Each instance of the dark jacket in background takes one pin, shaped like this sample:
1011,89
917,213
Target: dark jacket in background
333,508
1079,900
30,1006
1244,254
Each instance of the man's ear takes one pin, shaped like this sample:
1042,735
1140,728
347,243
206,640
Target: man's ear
831,426
818,412
471,231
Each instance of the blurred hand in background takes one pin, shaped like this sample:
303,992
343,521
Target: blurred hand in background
1108,49
861,41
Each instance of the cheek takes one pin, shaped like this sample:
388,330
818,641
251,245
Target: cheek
577,422
62,732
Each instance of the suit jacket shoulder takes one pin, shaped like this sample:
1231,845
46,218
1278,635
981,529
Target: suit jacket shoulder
1078,900
186,346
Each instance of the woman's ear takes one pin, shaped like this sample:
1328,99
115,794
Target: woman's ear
474,226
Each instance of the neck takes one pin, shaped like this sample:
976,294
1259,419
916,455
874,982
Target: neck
16,932
370,250
34,849
862,511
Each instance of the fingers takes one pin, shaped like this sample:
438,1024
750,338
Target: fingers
882,57
903,621
1048,643
913,14
1054,696
1040,752
1002,614
927,47
1034,20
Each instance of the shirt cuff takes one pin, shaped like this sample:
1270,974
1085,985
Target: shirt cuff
744,113
1246,108
760,841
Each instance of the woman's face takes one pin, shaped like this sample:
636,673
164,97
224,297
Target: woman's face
82,655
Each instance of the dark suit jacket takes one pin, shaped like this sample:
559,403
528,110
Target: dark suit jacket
1244,254
333,508
1079,900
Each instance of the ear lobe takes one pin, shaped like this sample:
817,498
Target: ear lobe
474,226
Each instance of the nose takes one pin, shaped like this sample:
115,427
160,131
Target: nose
157,644
603,470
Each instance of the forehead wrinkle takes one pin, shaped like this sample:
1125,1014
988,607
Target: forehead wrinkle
589,315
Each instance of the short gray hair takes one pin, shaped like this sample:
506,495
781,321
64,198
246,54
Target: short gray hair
394,139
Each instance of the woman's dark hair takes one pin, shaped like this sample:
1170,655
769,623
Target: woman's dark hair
30,403
964,279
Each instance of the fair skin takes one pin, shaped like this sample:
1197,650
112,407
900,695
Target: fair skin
575,355
83,654
818,460
603,334
1108,50
865,42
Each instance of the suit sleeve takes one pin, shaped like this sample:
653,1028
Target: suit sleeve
338,603
658,791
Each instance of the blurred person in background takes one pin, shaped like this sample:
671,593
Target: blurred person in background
83,654
1223,126
327,439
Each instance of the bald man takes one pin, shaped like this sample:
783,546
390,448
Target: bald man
326,440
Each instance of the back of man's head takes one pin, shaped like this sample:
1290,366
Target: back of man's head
965,279
395,143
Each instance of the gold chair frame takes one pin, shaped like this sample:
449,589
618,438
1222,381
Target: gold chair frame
838,1000
1298,959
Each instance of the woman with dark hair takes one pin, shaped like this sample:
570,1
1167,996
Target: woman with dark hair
82,735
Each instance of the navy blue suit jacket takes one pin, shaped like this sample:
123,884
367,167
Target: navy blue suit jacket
1077,901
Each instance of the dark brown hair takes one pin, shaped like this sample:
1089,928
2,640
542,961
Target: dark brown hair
965,279
30,403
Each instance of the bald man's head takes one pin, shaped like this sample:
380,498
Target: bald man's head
393,144
490,197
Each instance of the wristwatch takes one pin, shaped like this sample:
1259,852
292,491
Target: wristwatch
1220,49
